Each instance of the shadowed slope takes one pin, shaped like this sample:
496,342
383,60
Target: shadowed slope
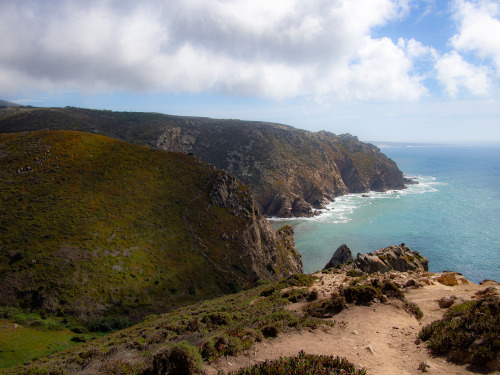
91,226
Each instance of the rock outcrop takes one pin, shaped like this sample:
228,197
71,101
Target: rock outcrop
392,258
341,256
291,172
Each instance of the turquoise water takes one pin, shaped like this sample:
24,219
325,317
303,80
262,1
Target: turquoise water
452,216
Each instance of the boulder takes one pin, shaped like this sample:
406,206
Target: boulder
342,255
448,279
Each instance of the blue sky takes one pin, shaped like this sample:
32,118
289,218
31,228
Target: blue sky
384,70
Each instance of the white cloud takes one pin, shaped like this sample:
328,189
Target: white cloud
456,73
278,49
478,29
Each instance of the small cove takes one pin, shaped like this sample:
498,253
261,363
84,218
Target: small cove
452,216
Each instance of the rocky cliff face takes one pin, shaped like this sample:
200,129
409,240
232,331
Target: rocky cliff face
290,171
91,226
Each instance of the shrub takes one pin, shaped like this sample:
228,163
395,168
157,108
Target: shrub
270,330
326,308
296,295
413,309
391,290
109,324
299,279
468,332
217,319
360,294
176,359
303,364
354,273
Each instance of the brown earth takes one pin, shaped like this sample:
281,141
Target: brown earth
380,338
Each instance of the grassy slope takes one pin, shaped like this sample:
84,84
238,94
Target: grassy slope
97,226
222,326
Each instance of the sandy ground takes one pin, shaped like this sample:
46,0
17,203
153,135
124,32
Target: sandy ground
380,338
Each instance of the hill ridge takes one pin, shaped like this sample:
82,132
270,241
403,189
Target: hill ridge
290,171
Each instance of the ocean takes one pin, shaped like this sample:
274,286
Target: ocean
452,216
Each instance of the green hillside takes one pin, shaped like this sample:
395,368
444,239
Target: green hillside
290,171
91,226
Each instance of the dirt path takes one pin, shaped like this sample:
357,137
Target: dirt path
381,337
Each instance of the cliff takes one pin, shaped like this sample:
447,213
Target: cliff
91,226
290,171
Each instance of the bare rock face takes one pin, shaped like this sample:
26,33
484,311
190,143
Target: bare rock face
290,171
341,256
392,258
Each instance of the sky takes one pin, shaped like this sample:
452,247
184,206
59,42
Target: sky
384,70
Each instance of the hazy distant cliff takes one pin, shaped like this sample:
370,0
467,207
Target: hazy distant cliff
290,171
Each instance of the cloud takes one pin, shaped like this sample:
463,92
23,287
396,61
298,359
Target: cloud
278,49
478,29
473,65
455,73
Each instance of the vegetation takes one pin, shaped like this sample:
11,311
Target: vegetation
209,329
98,228
302,364
322,164
469,332
360,294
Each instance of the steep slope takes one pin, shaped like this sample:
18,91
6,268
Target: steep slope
290,171
91,226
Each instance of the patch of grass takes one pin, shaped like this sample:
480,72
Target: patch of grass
19,344
222,326
354,273
468,332
303,364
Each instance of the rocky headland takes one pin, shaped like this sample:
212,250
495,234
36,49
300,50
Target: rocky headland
291,172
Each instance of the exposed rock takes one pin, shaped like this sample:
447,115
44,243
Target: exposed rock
423,366
342,255
397,258
369,348
451,279
409,283
290,171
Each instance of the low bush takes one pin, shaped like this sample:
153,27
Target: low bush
468,332
359,294
109,324
177,359
326,308
303,364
